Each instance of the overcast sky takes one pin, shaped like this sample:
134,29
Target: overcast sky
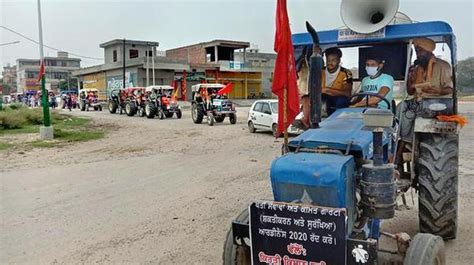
79,26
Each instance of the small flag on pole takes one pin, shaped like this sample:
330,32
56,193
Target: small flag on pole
41,71
225,90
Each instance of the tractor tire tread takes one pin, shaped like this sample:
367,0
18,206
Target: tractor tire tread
437,170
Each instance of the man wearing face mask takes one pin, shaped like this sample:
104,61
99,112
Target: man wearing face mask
376,82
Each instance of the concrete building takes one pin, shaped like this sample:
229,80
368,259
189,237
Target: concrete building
9,79
57,69
265,62
138,58
224,61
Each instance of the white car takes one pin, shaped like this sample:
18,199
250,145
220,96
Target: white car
263,115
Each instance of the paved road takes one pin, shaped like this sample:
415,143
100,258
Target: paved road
157,192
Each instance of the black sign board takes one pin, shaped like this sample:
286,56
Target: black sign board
297,234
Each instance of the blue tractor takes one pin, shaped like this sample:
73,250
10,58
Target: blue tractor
345,164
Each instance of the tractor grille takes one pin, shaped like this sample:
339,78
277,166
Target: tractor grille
226,105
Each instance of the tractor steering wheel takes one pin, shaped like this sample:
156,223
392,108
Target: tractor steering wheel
367,95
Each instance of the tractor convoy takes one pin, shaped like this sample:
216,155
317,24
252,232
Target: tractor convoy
208,102
150,102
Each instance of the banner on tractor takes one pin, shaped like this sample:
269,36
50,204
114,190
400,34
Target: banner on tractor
283,233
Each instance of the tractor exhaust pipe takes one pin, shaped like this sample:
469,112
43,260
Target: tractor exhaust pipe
315,70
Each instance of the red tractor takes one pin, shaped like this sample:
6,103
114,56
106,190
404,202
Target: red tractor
161,103
129,100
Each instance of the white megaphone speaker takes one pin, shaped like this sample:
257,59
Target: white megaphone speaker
367,16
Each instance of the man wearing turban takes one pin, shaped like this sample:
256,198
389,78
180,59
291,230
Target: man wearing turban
429,77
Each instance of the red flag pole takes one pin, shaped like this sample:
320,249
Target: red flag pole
285,119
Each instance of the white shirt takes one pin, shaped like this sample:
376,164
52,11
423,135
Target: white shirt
330,77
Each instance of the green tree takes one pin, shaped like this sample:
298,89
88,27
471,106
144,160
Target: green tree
465,76
63,85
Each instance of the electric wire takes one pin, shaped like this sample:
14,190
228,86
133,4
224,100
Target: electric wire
47,46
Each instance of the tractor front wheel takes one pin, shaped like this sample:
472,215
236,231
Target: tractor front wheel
425,249
179,114
233,118
168,114
210,119
233,254
220,118
161,114
437,172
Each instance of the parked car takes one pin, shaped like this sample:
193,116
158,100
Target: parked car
263,115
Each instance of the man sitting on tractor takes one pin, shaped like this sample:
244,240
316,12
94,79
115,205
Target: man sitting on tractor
376,82
336,82
336,85
429,77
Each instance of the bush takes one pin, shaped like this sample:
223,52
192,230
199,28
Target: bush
16,106
10,120
33,116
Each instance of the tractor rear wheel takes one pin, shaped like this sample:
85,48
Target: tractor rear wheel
197,112
437,171
425,249
150,110
234,254
130,108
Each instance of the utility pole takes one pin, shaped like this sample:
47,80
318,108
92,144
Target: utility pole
147,61
46,131
153,63
123,59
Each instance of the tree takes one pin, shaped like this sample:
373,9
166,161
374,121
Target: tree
63,85
465,76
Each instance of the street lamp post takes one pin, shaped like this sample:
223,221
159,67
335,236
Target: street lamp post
46,131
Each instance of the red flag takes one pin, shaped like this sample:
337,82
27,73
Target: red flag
41,71
285,70
225,90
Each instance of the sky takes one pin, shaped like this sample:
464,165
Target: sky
79,26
